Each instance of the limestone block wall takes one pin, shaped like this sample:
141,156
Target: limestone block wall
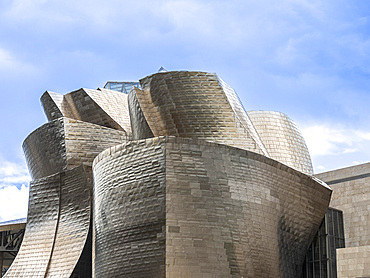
351,194
225,212
353,262
195,105
282,139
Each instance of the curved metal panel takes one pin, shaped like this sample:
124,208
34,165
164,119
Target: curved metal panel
73,224
43,213
139,125
129,212
115,104
283,139
84,141
195,105
57,227
226,210
104,107
66,143
52,104
45,150
241,114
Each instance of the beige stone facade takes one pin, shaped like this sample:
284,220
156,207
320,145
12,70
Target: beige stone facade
351,194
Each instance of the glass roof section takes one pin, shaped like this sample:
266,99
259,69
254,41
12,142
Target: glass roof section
123,87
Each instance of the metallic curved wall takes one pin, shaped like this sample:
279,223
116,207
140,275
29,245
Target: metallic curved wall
57,226
196,105
43,213
139,125
226,212
102,107
129,211
73,225
52,103
282,139
166,206
66,143
58,155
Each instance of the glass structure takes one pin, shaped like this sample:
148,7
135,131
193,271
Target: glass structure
123,87
320,259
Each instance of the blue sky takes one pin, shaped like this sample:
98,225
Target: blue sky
307,59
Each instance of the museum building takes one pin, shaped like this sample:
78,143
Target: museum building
171,177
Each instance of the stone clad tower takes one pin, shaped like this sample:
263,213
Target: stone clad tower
174,179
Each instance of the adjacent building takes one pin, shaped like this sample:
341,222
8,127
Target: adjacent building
351,194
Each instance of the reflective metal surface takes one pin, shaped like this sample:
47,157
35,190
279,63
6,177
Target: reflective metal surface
209,202
102,107
139,125
282,139
65,143
43,213
196,208
196,105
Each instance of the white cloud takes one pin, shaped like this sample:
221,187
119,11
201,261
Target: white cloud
11,64
13,202
14,189
323,139
13,173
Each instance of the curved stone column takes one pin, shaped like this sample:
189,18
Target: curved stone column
283,139
191,208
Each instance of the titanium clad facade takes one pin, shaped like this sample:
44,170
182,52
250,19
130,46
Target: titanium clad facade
52,103
282,139
139,125
183,186
73,225
102,107
57,227
42,218
59,156
195,105
221,211
130,211
65,143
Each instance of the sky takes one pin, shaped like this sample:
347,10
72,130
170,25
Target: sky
307,59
